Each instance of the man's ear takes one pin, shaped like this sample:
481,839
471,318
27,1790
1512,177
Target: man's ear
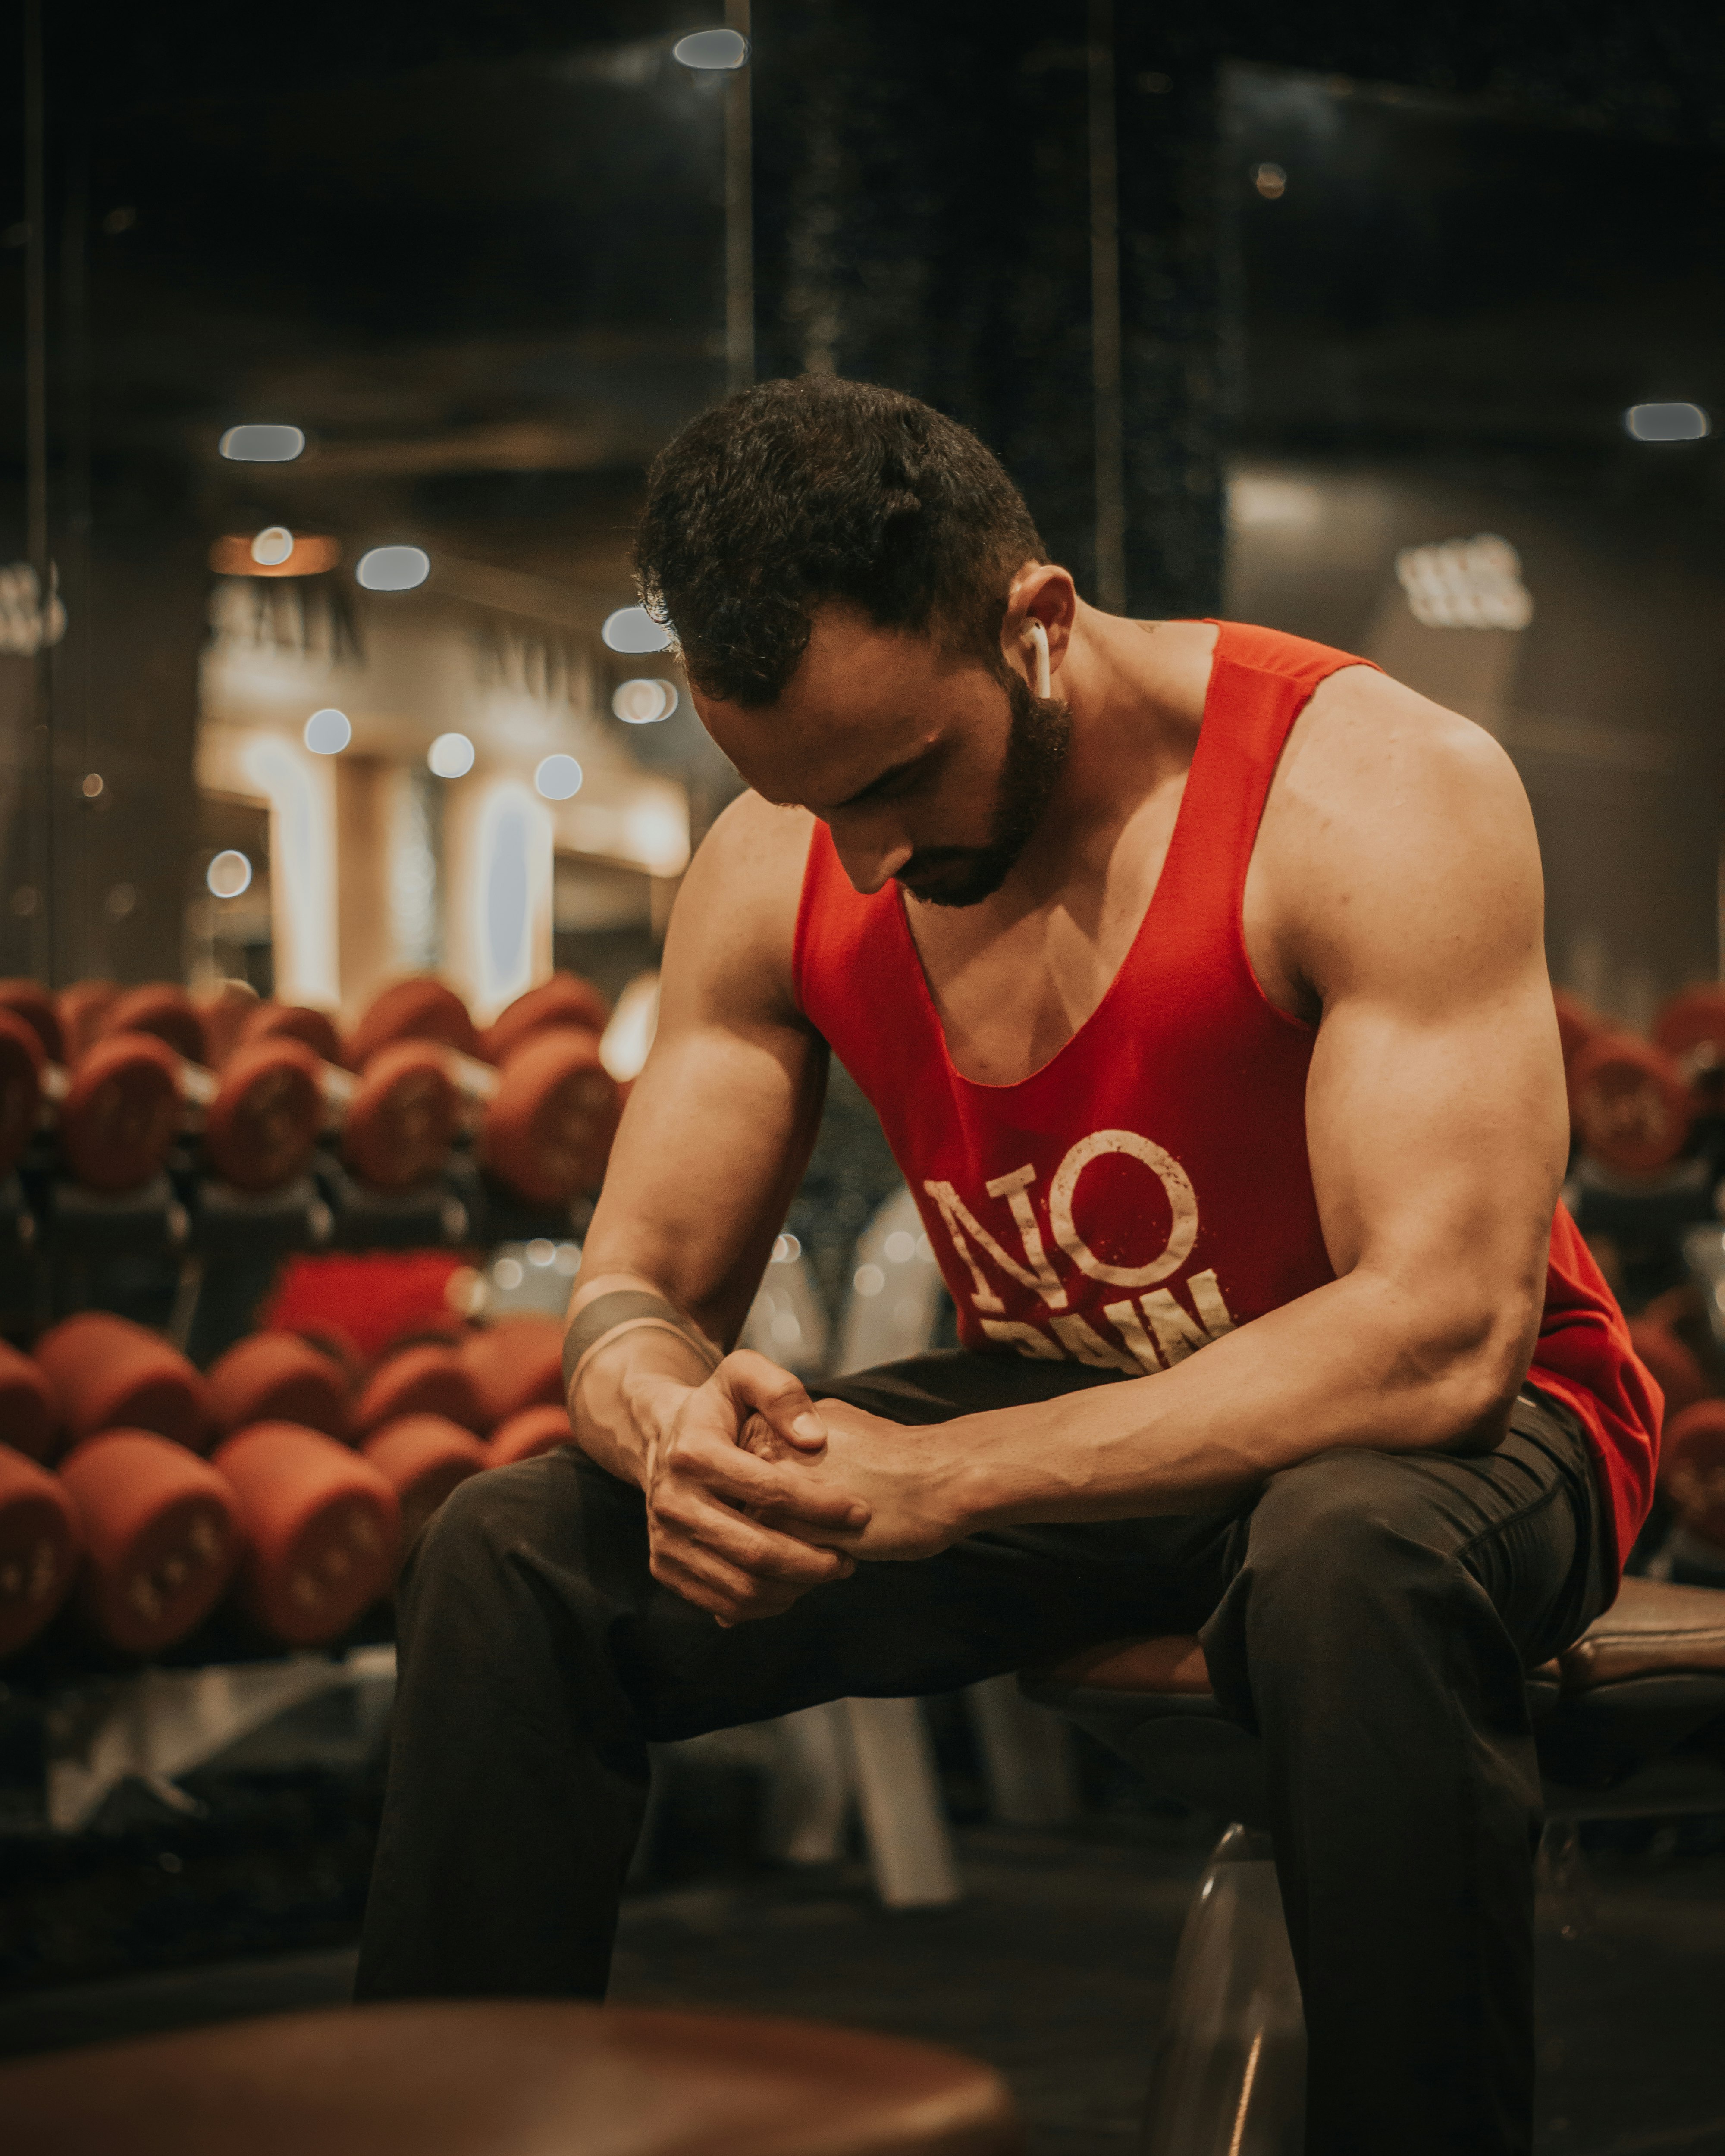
1043,592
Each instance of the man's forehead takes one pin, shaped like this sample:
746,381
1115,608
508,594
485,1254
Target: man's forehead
858,702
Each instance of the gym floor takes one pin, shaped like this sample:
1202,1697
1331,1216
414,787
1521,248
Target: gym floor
1054,1968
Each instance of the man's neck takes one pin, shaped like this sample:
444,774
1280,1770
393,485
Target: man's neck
1136,691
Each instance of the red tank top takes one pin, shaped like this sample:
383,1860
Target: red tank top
1148,1189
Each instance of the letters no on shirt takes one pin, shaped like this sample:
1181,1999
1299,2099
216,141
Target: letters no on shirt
1155,1329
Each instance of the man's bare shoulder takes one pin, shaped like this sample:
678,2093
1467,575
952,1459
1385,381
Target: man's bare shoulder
1394,825
734,929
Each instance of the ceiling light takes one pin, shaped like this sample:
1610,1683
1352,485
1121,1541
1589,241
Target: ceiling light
262,444
450,755
642,703
1667,422
633,628
328,731
394,568
707,49
558,778
272,546
238,555
228,874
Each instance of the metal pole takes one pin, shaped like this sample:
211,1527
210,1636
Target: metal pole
1105,335
36,472
739,216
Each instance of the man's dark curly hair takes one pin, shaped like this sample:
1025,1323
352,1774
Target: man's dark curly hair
795,494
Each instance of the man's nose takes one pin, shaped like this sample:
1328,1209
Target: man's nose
871,858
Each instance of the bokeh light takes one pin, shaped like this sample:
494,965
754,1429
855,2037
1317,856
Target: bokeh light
262,444
394,568
228,874
272,546
706,49
633,628
328,731
1667,422
450,755
558,778
644,703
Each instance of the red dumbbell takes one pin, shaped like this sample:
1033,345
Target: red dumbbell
422,1457
294,1022
1630,1103
164,1009
28,1410
108,1373
548,1130
1691,1469
224,1012
278,1377
121,1111
1675,1370
426,1379
422,1009
263,1122
564,1000
162,1538
404,1117
81,1009
528,1433
38,1548
31,1002
322,1529
514,1364
1690,1027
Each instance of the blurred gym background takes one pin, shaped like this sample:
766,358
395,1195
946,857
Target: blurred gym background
336,344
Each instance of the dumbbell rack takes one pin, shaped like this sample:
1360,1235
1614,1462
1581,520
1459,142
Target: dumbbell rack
193,1258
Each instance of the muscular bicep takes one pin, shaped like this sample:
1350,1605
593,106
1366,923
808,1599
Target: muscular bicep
721,1120
1435,1109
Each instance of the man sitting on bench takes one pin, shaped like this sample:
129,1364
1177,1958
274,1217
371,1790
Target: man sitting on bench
1196,973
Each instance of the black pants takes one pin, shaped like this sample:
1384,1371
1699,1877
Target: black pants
1371,1613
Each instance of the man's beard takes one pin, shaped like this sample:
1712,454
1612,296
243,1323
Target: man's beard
1036,746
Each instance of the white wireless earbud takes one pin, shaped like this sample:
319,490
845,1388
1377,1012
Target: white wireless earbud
1038,636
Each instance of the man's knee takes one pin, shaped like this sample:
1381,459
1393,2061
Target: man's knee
498,1530
1349,1531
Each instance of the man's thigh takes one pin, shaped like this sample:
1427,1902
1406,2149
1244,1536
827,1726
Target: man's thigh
1525,1522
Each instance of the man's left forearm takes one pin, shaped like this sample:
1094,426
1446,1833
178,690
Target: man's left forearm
1357,1363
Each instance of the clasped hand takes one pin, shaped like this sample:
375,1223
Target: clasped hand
755,1494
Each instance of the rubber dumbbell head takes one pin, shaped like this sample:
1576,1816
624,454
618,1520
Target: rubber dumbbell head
162,1538
422,1009
29,1411
1690,1027
1628,1100
224,1012
515,1364
1691,1470
261,1128
525,1436
164,1009
22,1065
39,1547
277,1377
322,1529
425,1379
81,1010
120,1112
564,1000
1578,1022
547,1132
404,1117
423,1457
295,1022
31,1002
108,1373
1676,1371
